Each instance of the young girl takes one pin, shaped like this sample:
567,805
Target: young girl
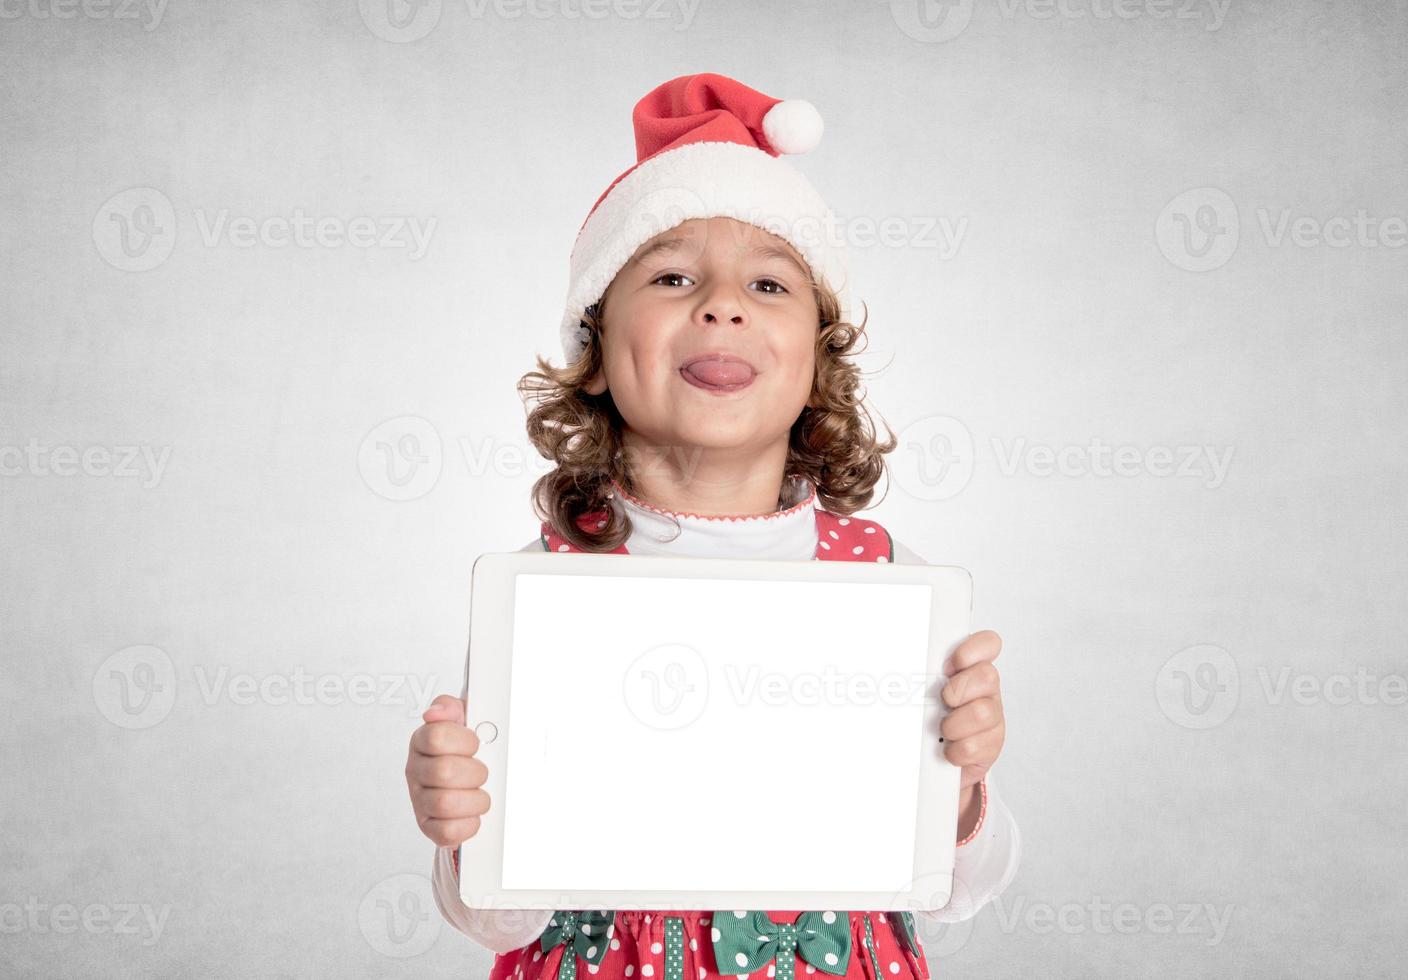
705,410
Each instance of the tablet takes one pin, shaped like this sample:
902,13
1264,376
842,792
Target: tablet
705,733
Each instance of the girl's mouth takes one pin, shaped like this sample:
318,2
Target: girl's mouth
720,374
721,389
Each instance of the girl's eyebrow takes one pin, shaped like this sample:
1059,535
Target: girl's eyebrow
775,251
767,251
664,245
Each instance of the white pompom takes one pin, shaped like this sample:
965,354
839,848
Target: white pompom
793,126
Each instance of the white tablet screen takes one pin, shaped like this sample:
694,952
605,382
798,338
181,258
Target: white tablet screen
667,732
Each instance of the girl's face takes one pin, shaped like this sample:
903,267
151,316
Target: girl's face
709,286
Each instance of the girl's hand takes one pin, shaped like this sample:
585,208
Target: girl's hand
974,729
444,776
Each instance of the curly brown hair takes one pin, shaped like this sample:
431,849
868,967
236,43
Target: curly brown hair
832,445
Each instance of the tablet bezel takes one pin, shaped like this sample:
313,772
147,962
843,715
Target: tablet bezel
486,691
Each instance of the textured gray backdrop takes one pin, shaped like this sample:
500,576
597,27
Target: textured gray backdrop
1135,273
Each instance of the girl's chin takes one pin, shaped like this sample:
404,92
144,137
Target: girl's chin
692,431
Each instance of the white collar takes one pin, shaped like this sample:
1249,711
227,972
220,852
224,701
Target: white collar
788,533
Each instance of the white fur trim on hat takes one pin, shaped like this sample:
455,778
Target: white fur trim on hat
700,180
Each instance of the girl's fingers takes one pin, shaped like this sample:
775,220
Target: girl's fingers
446,707
446,772
978,715
444,738
450,833
983,646
979,750
979,681
451,804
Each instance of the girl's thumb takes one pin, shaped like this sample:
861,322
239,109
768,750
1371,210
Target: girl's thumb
446,707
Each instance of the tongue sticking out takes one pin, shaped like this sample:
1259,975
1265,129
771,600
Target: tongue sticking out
720,372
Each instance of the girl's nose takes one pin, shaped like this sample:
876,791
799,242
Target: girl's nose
735,318
721,305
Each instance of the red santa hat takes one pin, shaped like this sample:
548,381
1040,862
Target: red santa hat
706,146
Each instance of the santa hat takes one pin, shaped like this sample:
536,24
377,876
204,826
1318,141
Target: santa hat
706,146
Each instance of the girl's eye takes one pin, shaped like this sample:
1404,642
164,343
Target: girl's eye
671,275
776,289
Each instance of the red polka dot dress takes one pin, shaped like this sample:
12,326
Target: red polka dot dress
697,945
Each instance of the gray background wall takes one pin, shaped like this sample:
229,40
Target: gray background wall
1175,229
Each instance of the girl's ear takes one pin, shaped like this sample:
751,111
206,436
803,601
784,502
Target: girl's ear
597,384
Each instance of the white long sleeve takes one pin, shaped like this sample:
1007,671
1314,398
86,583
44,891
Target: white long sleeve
986,864
498,930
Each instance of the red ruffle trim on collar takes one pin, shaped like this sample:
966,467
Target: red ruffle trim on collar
838,538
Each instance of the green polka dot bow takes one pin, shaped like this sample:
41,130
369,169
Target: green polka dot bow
585,934
744,941
904,928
